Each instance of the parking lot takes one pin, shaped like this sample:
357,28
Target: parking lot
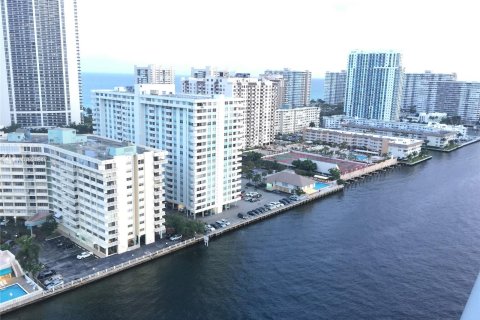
60,253
244,206
63,259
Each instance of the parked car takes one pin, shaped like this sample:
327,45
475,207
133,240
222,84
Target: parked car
250,213
225,222
209,228
52,279
45,274
240,215
176,237
4,222
294,198
68,245
55,284
84,255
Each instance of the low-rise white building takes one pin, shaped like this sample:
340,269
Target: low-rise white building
291,120
107,195
397,147
289,182
433,134
431,117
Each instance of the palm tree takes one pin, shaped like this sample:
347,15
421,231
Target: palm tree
257,178
249,175
28,254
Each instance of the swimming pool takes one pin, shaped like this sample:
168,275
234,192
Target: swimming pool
319,185
11,292
361,157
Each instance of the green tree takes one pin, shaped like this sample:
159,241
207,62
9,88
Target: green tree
12,128
27,256
83,128
335,173
257,178
251,156
299,191
186,227
306,165
249,175
49,226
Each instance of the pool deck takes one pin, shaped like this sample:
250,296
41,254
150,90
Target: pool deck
22,282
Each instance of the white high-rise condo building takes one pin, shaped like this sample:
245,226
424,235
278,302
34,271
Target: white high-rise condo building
420,90
203,137
260,96
39,63
209,72
154,74
334,88
374,85
107,195
297,84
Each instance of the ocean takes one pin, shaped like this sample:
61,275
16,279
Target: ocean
92,81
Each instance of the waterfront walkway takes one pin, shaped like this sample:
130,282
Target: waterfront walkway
150,255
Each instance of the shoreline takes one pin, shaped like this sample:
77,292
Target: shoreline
12,305
15,304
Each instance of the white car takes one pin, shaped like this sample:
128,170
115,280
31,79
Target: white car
55,284
52,280
84,255
176,237
225,221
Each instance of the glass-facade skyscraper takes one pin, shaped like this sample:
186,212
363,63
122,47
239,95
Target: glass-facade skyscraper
374,85
39,63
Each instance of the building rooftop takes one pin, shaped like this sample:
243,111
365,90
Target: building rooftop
439,133
290,178
91,146
130,91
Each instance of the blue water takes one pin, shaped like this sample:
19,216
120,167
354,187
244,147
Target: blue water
5,271
95,81
398,245
361,157
92,81
319,185
316,91
11,292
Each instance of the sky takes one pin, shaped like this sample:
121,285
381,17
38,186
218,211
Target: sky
255,35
